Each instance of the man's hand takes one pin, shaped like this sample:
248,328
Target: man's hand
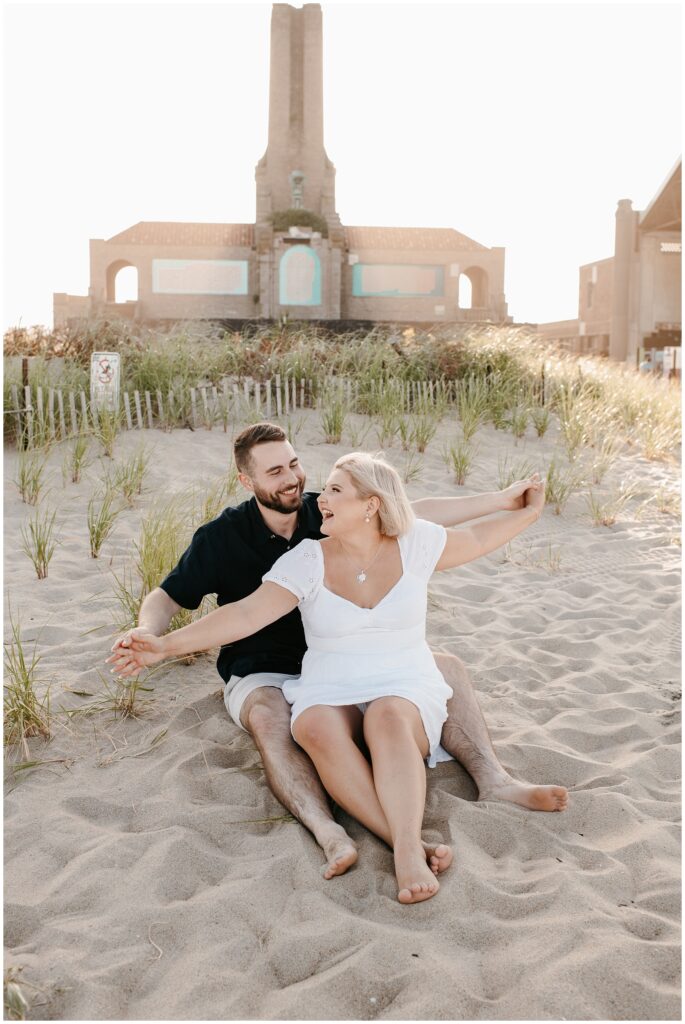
135,650
515,496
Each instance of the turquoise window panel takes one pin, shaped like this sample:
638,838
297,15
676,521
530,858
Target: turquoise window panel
200,277
397,280
299,277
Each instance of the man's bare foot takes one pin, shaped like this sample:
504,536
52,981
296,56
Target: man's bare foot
535,798
439,856
341,853
415,880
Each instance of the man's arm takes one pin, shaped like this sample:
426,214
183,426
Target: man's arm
157,611
453,511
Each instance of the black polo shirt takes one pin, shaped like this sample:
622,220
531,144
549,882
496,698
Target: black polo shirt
228,557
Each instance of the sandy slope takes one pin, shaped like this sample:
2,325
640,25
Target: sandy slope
170,884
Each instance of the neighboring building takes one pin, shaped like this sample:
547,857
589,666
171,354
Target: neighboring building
306,266
631,302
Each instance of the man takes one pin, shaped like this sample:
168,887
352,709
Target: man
229,556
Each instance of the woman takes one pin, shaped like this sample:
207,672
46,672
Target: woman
368,675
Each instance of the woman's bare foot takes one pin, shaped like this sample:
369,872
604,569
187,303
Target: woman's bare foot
438,855
341,854
415,880
535,798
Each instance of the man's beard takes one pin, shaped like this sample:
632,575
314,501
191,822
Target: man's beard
274,502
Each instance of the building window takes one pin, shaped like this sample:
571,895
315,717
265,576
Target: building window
590,290
671,247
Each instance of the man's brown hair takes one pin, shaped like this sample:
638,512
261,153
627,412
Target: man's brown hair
247,439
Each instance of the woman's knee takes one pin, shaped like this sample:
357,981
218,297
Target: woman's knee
394,720
320,727
388,715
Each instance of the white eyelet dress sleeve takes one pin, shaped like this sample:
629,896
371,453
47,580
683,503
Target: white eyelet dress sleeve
300,570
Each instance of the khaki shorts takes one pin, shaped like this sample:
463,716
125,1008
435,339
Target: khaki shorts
238,688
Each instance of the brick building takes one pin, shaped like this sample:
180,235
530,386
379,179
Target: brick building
630,303
298,260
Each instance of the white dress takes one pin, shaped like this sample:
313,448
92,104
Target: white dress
355,655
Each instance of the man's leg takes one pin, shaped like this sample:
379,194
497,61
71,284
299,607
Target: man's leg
465,736
291,776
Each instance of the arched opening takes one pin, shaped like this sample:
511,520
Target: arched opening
465,298
122,282
473,289
299,277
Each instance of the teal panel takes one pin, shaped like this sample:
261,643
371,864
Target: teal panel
397,276
299,277
199,277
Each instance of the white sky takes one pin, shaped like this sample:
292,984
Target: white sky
520,125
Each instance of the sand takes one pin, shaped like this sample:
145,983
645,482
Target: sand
150,874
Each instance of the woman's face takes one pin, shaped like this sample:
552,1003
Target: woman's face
341,507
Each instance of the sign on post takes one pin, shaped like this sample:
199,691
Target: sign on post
105,376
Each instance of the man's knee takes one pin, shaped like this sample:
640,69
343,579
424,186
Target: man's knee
451,668
266,712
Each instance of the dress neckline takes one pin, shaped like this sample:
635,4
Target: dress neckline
361,607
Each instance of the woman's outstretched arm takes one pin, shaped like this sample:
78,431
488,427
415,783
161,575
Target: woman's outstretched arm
140,648
467,544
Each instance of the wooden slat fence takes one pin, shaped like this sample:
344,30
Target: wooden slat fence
38,415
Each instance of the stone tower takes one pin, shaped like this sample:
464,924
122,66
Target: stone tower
295,170
295,173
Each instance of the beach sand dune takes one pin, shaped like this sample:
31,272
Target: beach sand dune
150,874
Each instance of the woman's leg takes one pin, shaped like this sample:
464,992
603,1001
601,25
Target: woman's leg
331,737
397,742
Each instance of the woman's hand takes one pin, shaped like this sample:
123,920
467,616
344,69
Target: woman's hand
136,650
514,496
534,496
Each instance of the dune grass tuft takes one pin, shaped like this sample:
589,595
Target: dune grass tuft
39,541
101,516
25,714
30,474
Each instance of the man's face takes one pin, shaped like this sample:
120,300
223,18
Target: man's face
275,476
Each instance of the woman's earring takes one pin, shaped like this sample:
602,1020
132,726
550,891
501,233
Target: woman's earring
367,519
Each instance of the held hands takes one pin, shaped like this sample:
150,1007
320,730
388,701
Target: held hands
529,493
136,650
534,496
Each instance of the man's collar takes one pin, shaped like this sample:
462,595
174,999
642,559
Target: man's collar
306,522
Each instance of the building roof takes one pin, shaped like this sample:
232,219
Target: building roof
155,232
664,213
408,238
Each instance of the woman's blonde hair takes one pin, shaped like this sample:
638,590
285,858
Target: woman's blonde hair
374,477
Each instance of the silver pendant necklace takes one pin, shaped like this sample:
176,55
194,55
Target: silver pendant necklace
361,575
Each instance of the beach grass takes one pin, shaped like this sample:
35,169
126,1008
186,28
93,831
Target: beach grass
25,714
490,373
458,457
16,1004
30,478
128,476
101,517
39,540
77,457
560,483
